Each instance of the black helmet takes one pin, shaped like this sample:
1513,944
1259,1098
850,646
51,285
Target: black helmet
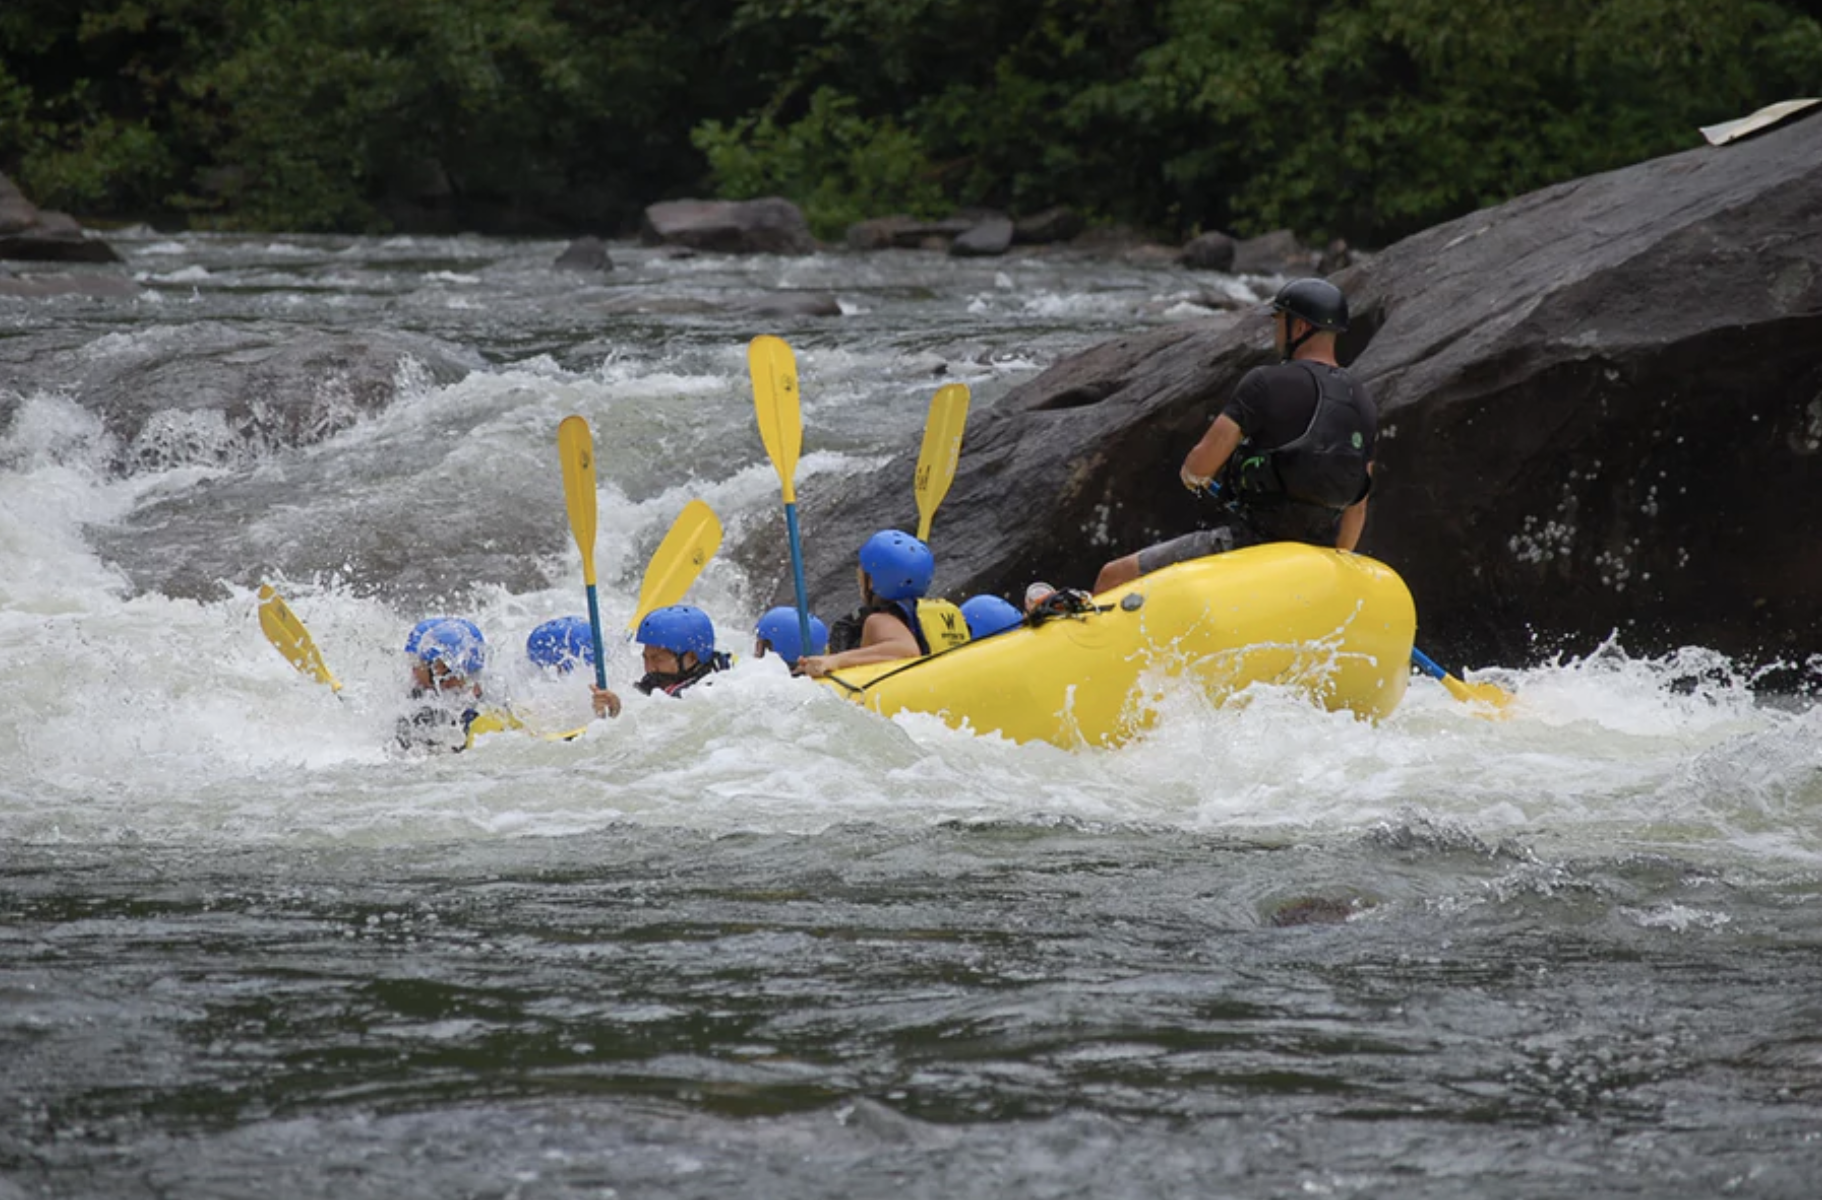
1314,300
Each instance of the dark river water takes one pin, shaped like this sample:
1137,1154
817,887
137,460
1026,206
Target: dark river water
759,942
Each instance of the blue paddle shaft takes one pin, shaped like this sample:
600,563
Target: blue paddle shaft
1426,664
594,631
803,603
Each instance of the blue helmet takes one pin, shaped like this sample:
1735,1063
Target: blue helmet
417,633
680,629
562,642
454,642
779,627
988,615
899,565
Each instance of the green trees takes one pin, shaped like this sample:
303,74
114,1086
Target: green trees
1363,118
1004,104
356,115
838,166
1375,118
325,111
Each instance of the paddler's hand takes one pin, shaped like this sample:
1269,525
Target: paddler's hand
1194,482
813,665
606,703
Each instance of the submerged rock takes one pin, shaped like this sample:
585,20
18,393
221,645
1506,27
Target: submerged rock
220,394
67,283
769,226
584,254
1601,407
1315,910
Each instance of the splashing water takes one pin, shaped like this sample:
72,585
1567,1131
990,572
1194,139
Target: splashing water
758,938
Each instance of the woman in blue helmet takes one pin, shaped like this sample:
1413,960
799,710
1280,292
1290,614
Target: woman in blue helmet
895,620
779,632
679,652
448,656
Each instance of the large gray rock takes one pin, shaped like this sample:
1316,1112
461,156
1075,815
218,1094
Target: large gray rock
16,212
901,232
1213,251
896,232
1052,225
236,395
769,226
1601,405
1275,253
27,233
988,239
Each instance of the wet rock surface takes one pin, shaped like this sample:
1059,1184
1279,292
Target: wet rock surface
222,394
1601,407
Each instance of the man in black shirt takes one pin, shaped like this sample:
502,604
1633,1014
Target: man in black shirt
1293,449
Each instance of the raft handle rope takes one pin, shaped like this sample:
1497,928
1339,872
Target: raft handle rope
1070,603
850,688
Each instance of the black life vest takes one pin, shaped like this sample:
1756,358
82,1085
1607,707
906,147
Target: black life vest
1326,465
936,624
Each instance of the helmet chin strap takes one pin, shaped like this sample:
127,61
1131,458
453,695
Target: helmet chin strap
1290,346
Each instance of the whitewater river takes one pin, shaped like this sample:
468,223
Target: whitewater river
757,942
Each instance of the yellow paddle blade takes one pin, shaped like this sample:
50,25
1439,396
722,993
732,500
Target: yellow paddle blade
500,720
493,720
776,402
288,635
576,446
942,449
1490,695
693,539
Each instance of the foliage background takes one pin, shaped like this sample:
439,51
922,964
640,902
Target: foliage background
1366,119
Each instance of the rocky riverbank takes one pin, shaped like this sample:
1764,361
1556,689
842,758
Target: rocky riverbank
1602,413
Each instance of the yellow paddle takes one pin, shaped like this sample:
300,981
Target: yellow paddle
288,635
941,450
693,539
576,447
1489,694
776,404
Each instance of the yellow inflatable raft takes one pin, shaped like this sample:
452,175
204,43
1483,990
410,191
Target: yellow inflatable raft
1338,626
